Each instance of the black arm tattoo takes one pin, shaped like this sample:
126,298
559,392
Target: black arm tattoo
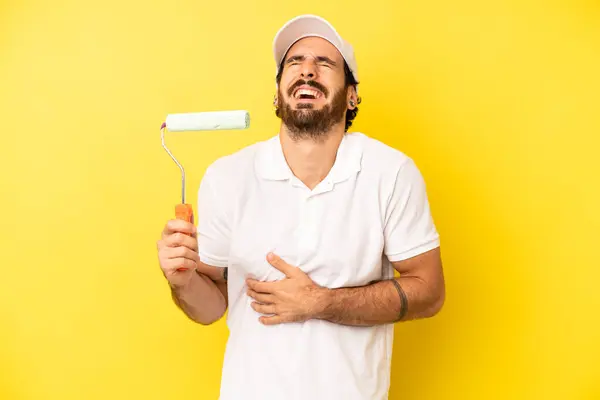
403,300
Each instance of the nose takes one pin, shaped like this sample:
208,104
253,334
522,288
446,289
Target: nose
309,69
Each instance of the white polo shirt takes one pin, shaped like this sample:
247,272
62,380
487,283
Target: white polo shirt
371,209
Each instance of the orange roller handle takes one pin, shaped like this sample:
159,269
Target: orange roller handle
186,213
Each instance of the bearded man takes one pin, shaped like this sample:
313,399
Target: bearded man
299,236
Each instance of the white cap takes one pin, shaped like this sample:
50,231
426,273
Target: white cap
311,25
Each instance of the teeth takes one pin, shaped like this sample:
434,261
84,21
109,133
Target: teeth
309,92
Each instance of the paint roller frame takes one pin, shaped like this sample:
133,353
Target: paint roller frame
200,121
183,211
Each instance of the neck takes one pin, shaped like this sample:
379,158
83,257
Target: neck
311,159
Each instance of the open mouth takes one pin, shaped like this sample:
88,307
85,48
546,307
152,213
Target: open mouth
310,94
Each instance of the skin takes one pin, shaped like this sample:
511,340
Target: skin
202,295
309,159
198,289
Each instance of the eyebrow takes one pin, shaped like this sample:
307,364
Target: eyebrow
319,58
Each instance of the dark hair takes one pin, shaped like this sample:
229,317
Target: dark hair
349,81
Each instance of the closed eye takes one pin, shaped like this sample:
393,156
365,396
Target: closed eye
322,60
295,60
326,61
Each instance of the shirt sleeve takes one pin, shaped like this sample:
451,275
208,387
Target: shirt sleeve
213,225
409,227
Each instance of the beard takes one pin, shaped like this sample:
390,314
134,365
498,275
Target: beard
307,123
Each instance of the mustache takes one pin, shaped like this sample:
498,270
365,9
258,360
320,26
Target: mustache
314,84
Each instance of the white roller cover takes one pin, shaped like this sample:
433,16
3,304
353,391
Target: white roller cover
208,121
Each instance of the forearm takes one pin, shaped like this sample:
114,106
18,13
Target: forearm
381,302
200,299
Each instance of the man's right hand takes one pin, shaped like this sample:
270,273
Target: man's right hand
178,252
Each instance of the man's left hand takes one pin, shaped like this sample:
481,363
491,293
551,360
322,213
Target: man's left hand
296,298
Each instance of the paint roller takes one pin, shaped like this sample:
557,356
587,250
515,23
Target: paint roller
199,121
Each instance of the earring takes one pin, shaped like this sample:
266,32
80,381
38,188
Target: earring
352,103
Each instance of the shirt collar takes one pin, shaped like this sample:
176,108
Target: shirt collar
271,163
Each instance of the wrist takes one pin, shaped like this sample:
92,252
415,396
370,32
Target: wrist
182,285
323,303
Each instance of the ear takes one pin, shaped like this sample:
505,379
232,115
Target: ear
352,98
276,94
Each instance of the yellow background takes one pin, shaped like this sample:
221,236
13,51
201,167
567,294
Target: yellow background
497,101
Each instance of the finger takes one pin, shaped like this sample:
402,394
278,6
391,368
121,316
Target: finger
180,252
263,308
181,239
262,297
278,263
273,320
179,225
262,287
175,264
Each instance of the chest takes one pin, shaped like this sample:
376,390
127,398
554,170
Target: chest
335,236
